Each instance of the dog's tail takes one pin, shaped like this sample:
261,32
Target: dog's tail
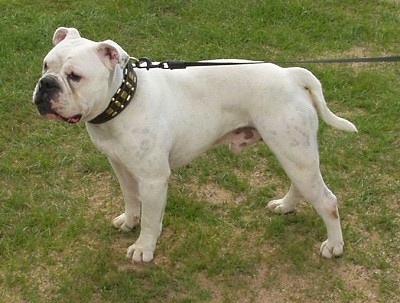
312,84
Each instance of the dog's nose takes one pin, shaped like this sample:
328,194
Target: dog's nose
47,87
48,83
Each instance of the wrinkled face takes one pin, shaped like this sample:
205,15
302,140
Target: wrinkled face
79,78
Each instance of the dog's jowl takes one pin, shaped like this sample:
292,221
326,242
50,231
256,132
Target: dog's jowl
148,121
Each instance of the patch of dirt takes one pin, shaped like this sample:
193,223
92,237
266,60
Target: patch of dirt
12,297
213,287
42,277
284,286
357,279
212,193
105,199
346,113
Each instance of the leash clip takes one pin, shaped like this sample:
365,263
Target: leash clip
144,62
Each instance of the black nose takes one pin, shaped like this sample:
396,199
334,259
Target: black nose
47,88
48,83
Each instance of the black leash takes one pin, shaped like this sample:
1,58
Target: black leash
148,64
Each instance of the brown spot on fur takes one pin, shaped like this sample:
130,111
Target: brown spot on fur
312,99
335,214
240,138
248,132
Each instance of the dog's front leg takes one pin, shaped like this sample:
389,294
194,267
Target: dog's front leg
153,195
129,186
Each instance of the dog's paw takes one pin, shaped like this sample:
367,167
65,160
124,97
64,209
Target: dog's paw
277,206
123,224
329,250
140,251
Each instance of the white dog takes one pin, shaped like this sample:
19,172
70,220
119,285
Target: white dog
148,121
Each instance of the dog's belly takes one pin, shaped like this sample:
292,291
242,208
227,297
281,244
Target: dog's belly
237,139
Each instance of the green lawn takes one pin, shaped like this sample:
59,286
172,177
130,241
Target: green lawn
58,195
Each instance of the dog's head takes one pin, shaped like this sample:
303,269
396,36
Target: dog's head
79,77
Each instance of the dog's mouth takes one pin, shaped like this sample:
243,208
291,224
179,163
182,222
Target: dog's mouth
47,111
54,116
73,119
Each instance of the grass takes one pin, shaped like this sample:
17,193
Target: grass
219,244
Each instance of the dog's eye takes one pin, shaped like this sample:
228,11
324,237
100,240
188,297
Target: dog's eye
74,77
45,66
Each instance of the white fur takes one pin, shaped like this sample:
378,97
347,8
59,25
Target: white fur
177,115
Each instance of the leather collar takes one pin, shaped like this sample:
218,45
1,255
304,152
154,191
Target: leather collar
121,98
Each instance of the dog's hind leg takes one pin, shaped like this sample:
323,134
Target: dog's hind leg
294,143
308,183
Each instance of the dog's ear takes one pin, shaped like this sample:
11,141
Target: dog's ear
111,54
62,33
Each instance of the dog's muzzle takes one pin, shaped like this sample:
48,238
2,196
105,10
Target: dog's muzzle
46,93
47,89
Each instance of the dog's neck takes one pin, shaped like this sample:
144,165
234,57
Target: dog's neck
121,98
